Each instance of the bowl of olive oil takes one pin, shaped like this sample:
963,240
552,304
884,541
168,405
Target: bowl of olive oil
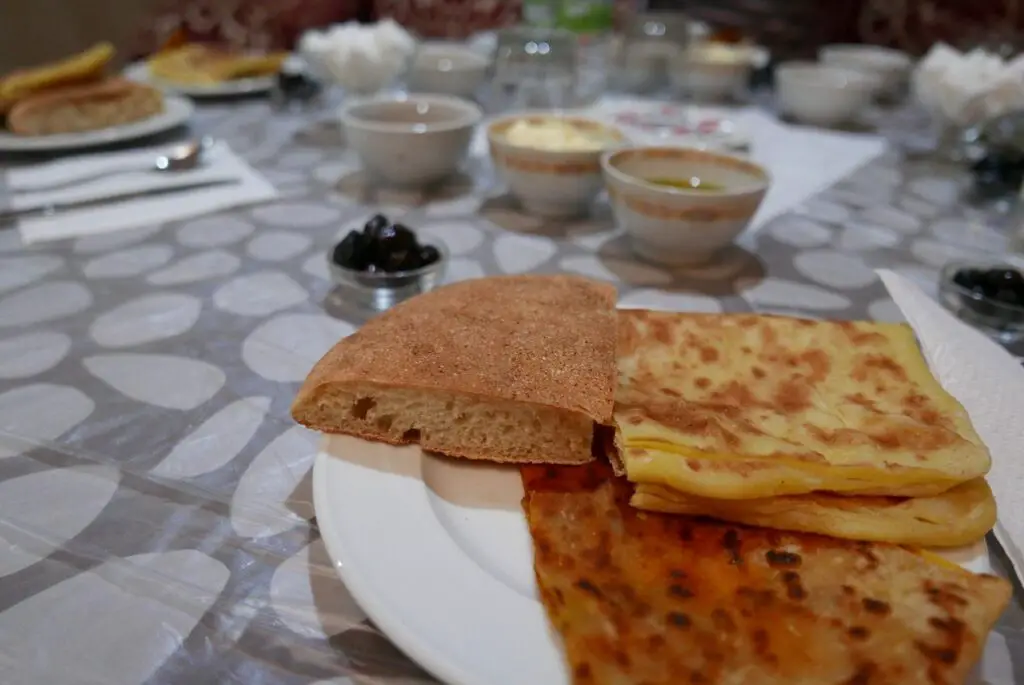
681,206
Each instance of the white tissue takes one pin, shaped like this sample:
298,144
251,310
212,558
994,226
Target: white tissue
989,382
358,57
966,88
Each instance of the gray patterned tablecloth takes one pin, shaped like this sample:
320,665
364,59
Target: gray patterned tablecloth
155,508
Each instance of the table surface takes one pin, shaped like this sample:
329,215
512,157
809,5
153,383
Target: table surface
146,377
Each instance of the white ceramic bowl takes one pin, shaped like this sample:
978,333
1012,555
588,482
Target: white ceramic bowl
713,73
821,95
447,69
891,66
551,183
676,226
411,141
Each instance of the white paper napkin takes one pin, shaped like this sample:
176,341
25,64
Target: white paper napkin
989,382
222,164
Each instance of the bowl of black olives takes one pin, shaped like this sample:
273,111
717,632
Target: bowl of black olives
384,263
987,296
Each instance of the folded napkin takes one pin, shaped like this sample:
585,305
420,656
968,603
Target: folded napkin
989,382
221,164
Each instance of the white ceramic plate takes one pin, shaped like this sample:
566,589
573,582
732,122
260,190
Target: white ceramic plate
437,553
243,86
177,111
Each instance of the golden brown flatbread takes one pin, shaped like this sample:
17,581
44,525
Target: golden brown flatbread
661,600
510,368
957,517
87,107
85,67
749,406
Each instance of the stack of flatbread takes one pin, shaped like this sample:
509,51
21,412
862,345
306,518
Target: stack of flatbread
790,469
821,426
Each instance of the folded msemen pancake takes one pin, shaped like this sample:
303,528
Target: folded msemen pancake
748,406
514,368
957,517
647,598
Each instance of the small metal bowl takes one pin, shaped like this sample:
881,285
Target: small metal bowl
379,290
999,320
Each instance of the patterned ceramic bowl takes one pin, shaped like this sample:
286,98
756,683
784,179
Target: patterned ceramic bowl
551,183
416,140
681,206
447,69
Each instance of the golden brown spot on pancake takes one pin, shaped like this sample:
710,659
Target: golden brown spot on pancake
676,574
848,590
671,392
635,420
953,626
943,655
746,321
858,632
621,658
745,349
708,355
863,674
723,621
861,401
694,464
778,559
943,598
793,396
655,643
587,586
731,545
794,586
702,382
762,644
661,330
877,363
865,551
637,452
876,606
677,590
678,619
583,671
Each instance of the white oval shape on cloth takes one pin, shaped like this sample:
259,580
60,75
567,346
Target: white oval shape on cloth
834,269
151,602
464,205
891,217
460,269
274,494
885,310
259,294
331,172
299,159
30,354
162,380
776,292
616,269
34,414
216,441
799,231
285,348
517,254
919,207
145,319
592,240
214,231
128,262
937,254
316,266
309,597
196,267
27,508
17,272
460,236
44,302
112,241
296,215
825,211
670,301
863,237
278,246
970,234
941,191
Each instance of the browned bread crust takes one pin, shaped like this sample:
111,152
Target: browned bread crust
84,107
511,368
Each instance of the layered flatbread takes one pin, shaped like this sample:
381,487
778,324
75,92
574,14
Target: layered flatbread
955,518
749,406
85,67
86,107
647,598
514,369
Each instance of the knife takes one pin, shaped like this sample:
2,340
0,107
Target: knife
9,217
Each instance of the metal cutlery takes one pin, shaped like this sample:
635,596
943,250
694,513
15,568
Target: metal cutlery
9,217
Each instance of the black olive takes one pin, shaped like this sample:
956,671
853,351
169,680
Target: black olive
352,252
398,238
429,255
376,223
1009,296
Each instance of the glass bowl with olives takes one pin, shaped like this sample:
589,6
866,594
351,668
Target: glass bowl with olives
987,296
384,263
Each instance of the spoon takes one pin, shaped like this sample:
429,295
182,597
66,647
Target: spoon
182,157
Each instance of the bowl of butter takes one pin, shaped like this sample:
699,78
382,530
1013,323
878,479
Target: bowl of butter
551,163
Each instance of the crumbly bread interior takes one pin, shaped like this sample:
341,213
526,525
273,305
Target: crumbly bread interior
455,424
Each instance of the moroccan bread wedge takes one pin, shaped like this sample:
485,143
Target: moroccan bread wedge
648,598
748,406
87,107
507,369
